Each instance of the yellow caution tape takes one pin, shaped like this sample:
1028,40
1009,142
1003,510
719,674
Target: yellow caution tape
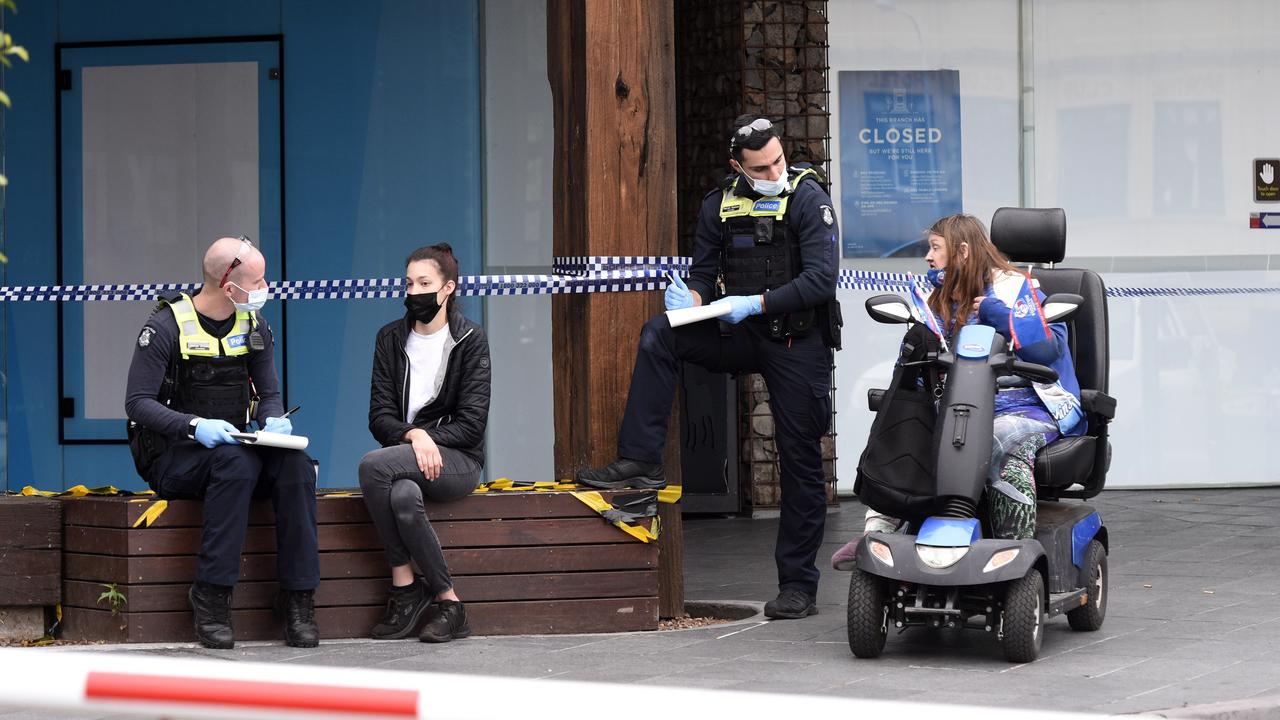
29,491
670,494
595,501
508,485
81,491
152,513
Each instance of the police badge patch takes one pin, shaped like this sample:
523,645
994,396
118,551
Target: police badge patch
144,337
828,216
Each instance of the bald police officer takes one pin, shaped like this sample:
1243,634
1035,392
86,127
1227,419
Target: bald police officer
203,368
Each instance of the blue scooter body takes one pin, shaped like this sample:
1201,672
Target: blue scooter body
945,572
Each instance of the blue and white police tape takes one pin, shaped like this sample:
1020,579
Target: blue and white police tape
580,265
588,274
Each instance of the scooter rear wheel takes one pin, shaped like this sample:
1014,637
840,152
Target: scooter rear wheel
1093,577
867,619
1022,620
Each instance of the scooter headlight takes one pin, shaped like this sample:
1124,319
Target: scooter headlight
881,552
940,557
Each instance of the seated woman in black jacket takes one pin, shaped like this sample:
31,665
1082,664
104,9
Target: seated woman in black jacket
428,406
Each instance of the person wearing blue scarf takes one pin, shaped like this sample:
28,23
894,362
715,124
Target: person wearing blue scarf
972,282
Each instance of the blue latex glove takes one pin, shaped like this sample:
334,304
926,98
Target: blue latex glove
211,433
740,307
678,295
279,425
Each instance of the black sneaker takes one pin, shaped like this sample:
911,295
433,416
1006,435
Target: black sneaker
446,621
211,611
298,610
405,606
791,604
624,473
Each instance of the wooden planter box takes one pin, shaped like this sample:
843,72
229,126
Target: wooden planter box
30,551
523,563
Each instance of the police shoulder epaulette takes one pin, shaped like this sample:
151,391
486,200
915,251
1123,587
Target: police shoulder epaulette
815,175
165,301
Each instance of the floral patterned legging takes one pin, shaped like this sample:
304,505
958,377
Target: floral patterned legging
1018,436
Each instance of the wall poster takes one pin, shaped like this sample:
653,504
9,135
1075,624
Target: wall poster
900,158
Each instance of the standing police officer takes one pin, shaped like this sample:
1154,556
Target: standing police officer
766,248
202,369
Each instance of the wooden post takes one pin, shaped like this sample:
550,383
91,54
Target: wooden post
670,561
611,66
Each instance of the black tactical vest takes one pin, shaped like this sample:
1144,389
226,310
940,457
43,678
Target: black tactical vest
758,253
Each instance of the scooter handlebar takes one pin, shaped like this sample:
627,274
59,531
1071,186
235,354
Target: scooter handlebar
1031,371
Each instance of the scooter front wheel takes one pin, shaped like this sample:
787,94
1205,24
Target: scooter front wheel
867,614
1022,619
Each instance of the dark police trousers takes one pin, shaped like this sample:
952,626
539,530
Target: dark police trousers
226,479
798,375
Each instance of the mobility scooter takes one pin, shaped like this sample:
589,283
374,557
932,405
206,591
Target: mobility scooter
943,569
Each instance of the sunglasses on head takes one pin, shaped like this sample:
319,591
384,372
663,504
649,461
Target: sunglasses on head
245,242
744,132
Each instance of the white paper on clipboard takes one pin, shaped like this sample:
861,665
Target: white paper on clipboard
698,313
270,439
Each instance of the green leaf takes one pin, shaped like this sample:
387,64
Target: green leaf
4,181
19,51
4,99
13,6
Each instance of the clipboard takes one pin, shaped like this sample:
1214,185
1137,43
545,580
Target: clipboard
697,313
270,439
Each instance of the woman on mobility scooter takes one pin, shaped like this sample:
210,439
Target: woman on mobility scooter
973,283
984,386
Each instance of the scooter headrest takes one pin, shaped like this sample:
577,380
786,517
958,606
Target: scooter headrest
1030,235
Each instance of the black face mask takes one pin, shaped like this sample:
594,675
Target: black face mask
423,307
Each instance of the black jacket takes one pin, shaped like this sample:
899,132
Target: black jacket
456,418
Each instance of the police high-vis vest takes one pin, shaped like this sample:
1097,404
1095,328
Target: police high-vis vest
211,375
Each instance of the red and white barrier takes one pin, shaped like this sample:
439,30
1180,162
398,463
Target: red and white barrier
122,682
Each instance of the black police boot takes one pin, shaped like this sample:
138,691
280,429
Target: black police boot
446,621
298,610
624,473
405,607
791,604
211,611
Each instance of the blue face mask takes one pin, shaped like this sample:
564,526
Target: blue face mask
770,188
255,300
936,276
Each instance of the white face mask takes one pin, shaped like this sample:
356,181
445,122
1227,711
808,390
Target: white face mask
770,188
256,299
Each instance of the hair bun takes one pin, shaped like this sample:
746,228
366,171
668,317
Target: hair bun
443,247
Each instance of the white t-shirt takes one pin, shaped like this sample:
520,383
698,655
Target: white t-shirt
426,363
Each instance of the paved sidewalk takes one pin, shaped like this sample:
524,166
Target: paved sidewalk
1193,618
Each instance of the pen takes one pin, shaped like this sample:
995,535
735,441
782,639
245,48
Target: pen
291,411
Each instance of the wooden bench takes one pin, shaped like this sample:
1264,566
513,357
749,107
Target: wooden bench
30,564
523,562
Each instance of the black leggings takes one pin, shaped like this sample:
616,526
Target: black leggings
394,491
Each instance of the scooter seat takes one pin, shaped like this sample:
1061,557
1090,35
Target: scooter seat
1065,462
